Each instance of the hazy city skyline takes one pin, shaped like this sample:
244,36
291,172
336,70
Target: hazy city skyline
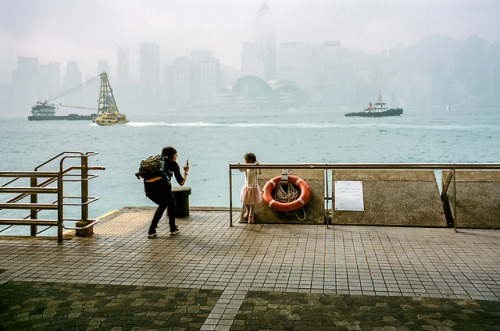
91,30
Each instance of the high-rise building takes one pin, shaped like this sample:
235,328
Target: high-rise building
73,76
194,80
181,82
103,66
210,81
71,81
121,83
205,77
149,54
259,56
265,37
331,79
295,64
251,60
122,71
50,80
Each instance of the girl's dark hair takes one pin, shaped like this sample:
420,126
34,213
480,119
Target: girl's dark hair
169,152
250,158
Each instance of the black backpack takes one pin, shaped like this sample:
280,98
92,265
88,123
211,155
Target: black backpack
151,167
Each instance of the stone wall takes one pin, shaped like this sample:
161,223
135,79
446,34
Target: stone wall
478,198
393,198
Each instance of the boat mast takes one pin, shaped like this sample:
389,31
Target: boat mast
107,104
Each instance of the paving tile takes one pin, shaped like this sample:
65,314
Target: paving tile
208,255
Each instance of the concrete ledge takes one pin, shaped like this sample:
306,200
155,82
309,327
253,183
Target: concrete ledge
393,198
478,198
314,210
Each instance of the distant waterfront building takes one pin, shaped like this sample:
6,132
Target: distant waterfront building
252,93
25,83
149,54
473,72
314,68
259,56
193,81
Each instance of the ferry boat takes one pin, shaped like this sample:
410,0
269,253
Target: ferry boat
107,111
43,111
379,110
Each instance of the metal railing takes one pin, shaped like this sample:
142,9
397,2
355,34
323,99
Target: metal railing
367,166
35,189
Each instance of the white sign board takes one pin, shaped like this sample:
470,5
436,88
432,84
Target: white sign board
349,195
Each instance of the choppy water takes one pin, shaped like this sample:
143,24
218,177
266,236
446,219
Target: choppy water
213,140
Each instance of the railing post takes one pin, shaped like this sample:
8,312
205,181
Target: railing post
84,199
455,218
60,197
85,188
327,197
33,212
230,198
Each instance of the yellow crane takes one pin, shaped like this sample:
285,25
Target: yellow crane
107,111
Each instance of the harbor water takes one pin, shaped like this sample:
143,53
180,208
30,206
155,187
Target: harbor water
213,139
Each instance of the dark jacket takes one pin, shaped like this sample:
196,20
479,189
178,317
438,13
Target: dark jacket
172,169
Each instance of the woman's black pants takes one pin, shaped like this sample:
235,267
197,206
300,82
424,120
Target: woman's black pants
160,192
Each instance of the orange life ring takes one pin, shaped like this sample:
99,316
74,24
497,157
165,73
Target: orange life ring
305,194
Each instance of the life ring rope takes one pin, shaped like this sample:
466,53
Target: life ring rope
296,204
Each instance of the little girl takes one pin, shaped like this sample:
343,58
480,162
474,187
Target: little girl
250,193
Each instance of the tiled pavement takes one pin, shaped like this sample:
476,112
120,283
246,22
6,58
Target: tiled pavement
250,277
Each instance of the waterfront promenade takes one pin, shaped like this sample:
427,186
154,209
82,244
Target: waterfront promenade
251,277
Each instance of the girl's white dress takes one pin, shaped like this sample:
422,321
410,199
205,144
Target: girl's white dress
251,193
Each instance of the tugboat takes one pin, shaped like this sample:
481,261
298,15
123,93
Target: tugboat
107,111
378,111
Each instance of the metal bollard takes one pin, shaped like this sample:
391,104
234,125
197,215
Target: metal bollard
181,194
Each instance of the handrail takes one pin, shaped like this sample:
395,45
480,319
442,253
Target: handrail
331,166
60,154
50,180
365,166
53,176
48,161
29,174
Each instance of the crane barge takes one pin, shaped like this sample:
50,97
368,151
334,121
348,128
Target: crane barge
46,110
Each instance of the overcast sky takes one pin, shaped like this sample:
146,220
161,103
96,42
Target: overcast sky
89,30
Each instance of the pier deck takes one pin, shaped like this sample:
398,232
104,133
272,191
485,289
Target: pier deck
248,277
